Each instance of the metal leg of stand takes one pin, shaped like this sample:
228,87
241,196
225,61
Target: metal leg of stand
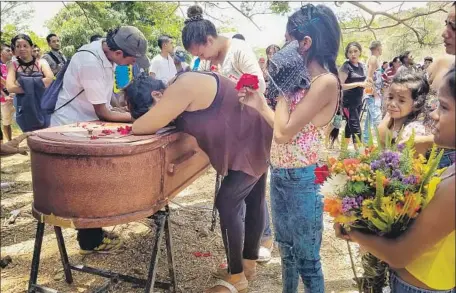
36,257
218,182
169,250
160,219
63,255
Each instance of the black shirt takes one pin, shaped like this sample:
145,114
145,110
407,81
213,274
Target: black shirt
353,97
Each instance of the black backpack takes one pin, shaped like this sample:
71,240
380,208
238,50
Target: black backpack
51,94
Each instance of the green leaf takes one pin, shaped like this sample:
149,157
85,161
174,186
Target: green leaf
379,189
379,144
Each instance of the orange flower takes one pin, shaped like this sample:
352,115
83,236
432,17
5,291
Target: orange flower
351,162
333,206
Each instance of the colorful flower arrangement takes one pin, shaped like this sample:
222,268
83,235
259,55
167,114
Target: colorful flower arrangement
378,189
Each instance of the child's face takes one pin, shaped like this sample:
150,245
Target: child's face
444,118
399,102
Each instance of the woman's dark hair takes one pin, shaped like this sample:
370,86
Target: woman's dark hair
138,94
270,47
21,37
351,44
321,25
112,44
419,87
451,79
197,29
395,59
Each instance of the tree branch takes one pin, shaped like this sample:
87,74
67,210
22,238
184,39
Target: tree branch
398,20
245,15
85,14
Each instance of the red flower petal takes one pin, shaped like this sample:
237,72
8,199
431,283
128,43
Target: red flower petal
321,173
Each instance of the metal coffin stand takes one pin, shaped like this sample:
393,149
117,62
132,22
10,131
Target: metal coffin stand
161,220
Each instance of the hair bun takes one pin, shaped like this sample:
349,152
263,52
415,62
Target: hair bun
195,11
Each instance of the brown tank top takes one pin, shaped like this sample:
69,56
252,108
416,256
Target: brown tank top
233,138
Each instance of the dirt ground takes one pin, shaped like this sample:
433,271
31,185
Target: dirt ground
190,218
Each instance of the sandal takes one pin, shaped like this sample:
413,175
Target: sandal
222,272
231,287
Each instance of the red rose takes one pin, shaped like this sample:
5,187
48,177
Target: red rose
321,173
248,80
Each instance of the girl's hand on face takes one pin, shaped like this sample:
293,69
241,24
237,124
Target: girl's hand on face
340,232
252,98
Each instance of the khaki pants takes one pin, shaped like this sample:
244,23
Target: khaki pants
7,113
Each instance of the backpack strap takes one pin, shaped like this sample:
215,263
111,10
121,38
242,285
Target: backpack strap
77,95
56,60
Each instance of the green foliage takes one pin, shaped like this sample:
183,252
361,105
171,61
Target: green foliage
280,7
78,21
355,188
10,31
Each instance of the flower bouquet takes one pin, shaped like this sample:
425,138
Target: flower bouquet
378,190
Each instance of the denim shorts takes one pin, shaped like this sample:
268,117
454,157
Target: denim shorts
399,286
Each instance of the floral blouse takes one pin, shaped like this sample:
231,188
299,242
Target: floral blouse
302,150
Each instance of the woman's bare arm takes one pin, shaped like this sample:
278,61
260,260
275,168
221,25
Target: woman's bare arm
11,83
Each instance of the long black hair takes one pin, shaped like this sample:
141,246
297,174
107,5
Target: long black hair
319,23
197,29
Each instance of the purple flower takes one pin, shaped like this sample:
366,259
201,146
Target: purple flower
400,147
410,180
349,203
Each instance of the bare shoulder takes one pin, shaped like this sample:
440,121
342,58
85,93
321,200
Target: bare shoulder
329,81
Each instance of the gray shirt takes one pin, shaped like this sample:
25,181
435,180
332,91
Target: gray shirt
55,66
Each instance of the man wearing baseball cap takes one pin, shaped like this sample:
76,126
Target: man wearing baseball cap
86,95
89,78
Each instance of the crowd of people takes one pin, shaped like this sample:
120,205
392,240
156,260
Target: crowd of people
278,128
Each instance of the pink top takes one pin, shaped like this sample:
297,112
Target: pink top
304,148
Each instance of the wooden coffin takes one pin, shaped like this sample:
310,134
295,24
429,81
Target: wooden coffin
90,175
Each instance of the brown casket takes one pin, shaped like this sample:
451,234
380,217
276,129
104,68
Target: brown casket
83,178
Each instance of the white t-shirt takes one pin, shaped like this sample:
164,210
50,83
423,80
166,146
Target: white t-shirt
163,68
241,59
94,75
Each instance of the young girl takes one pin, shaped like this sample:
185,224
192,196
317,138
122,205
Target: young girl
405,101
296,203
423,259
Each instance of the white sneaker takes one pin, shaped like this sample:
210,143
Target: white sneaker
265,254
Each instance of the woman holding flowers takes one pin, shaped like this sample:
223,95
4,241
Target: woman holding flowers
422,259
301,114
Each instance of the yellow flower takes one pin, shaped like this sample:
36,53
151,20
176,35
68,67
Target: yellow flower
431,188
344,219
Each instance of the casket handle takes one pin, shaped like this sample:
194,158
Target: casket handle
172,167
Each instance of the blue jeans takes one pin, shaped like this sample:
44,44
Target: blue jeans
373,115
297,215
399,286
